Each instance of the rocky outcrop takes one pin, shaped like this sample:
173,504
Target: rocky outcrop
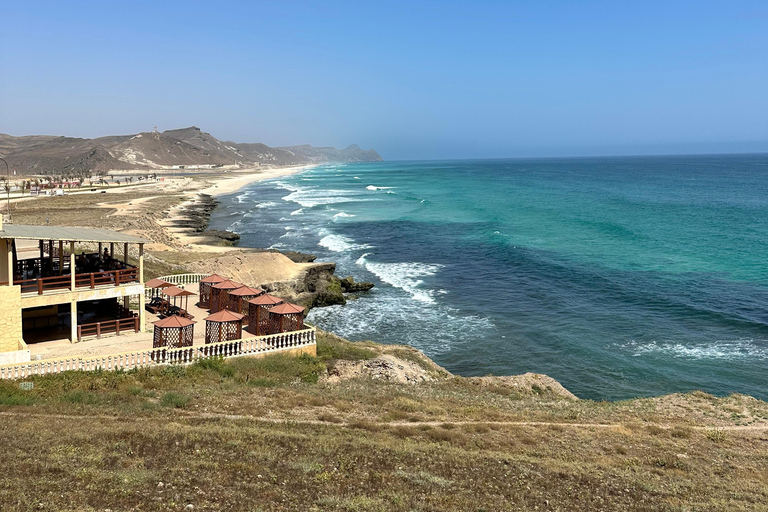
298,257
384,367
348,285
526,384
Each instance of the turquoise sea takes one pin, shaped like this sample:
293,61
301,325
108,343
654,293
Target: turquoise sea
619,277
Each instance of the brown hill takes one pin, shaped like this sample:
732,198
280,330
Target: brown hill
187,147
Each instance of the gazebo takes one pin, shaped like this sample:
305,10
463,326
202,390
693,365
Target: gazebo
258,313
223,326
220,294
205,289
285,318
174,292
239,297
173,332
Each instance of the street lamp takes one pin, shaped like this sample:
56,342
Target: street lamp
8,187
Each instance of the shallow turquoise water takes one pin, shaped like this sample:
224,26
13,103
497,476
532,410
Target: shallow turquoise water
617,276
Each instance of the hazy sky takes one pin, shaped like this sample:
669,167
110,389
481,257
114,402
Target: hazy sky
413,79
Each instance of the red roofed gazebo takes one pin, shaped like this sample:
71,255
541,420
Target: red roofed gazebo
205,289
285,318
223,326
258,313
220,294
173,332
239,297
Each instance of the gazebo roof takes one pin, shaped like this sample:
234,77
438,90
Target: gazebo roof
175,291
173,321
157,283
225,315
266,300
213,278
287,309
227,285
246,290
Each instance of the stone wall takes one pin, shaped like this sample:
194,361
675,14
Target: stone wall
10,318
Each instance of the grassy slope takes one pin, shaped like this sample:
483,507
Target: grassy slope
250,434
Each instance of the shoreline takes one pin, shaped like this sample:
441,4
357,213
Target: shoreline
197,208
231,184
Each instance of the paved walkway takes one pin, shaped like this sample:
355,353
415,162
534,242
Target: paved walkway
127,342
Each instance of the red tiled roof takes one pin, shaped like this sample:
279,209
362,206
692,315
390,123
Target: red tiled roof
246,290
157,283
173,321
266,300
287,309
175,291
227,285
225,315
213,278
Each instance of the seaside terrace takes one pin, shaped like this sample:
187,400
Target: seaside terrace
61,282
75,299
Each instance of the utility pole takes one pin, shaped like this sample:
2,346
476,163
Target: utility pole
8,187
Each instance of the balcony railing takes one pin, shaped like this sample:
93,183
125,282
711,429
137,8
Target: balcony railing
90,280
108,327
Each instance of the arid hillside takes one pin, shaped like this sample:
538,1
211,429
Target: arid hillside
188,148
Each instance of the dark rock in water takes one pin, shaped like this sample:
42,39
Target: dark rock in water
325,287
299,257
348,285
224,235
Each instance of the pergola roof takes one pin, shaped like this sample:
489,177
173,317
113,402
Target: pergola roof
213,278
67,234
175,291
173,321
266,300
225,315
227,285
157,283
246,290
287,309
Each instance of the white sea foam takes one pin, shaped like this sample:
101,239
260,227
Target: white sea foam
267,204
725,350
357,177
343,214
338,243
286,186
382,312
310,197
298,212
406,276
374,187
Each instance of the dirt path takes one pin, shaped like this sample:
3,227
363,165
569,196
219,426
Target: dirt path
246,417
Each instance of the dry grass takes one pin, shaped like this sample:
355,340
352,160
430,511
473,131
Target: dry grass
250,434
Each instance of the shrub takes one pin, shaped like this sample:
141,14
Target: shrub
177,400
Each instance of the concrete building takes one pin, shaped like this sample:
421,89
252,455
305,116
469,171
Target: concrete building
66,282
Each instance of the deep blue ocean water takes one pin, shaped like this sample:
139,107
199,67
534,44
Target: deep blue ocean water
619,277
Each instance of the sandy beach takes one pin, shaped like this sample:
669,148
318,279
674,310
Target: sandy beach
230,184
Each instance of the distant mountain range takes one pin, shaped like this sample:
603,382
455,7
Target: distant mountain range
186,147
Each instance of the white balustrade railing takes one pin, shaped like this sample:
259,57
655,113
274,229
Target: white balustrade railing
271,343
178,280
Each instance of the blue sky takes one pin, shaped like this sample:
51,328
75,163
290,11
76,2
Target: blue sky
414,80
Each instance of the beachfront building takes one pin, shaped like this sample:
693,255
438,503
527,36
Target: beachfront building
66,283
